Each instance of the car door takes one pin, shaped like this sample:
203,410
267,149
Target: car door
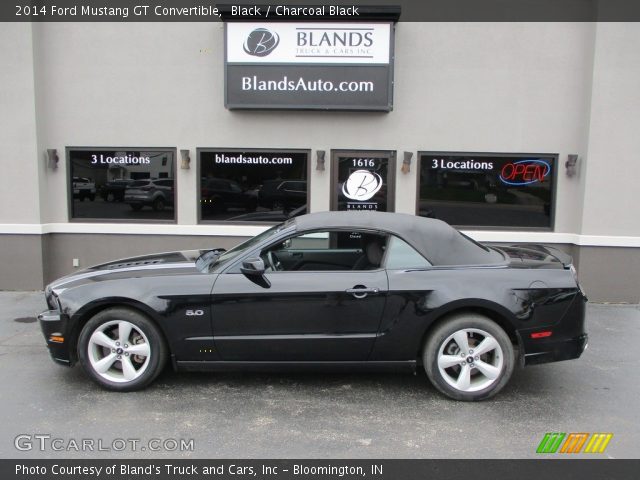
300,315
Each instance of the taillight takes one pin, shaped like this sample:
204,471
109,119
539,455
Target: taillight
542,334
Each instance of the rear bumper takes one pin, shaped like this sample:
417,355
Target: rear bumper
138,200
567,341
558,351
54,324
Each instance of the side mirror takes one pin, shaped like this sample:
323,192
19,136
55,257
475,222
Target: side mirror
253,267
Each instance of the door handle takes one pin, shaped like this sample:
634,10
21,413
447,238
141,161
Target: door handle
361,292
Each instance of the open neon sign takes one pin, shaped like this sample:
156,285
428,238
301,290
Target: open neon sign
525,172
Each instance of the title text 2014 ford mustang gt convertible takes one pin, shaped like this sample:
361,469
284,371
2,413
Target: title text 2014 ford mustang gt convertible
326,290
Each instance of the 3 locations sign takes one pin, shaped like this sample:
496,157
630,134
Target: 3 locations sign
488,190
324,66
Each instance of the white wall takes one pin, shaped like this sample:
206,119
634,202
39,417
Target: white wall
498,87
612,202
19,159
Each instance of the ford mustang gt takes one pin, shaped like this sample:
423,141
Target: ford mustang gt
331,290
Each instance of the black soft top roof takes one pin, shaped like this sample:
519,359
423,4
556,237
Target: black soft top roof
437,241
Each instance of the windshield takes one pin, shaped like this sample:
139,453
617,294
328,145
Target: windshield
241,248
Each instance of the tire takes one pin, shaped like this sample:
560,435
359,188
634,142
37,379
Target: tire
124,368
442,357
110,197
158,204
92,198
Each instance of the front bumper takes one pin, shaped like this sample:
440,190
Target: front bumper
54,327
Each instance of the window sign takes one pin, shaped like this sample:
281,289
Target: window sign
122,183
252,185
488,190
363,180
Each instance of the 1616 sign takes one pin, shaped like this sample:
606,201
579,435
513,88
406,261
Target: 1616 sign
363,181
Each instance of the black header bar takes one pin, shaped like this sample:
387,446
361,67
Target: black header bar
364,10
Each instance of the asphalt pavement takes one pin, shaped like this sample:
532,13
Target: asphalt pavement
313,415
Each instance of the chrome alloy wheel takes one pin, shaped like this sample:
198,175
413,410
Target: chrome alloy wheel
119,351
470,360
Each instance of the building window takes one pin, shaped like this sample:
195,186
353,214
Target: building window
363,180
119,184
488,190
252,185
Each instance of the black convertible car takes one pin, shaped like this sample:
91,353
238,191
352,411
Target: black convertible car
327,290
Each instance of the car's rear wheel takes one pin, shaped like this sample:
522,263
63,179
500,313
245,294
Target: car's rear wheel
121,349
468,357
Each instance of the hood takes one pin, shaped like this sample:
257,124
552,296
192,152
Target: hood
535,256
158,264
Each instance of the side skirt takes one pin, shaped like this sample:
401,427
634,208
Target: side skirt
222,366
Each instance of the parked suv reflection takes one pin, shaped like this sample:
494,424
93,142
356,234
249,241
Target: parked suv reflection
155,193
282,194
84,187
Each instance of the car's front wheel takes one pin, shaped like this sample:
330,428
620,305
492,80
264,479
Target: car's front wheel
121,349
468,357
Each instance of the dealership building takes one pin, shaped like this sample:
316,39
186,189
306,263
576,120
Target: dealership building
120,139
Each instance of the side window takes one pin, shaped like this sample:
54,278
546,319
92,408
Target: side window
309,241
327,251
402,255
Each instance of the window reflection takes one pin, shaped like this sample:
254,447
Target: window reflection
252,185
122,184
485,190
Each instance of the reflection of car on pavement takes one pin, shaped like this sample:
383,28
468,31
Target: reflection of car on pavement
113,191
220,194
156,193
375,290
84,187
282,194
269,216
